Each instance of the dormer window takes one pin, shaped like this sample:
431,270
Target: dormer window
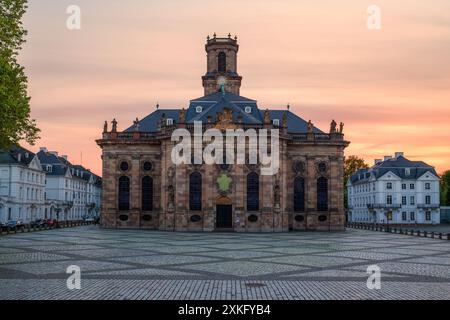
248,109
407,171
169,121
49,168
199,109
276,122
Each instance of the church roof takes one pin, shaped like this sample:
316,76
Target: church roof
397,166
209,106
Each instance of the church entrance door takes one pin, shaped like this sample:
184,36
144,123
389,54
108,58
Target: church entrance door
224,218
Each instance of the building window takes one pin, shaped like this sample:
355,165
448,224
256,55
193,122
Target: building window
389,215
404,200
427,199
407,171
428,215
276,122
124,166
412,186
124,193
147,193
427,186
389,186
222,62
198,109
389,199
404,216
403,186
252,192
412,216
299,194
195,191
412,200
147,166
169,122
322,194
248,109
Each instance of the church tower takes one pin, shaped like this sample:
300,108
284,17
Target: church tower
221,66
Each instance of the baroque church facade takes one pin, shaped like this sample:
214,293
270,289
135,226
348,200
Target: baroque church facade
143,188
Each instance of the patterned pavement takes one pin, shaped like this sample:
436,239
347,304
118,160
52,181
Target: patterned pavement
134,264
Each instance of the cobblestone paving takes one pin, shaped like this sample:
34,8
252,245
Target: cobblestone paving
134,264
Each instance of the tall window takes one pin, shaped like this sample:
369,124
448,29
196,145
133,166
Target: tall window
252,192
222,63
389,199
427,199
322,194
124,193
147,193
195,191
299,194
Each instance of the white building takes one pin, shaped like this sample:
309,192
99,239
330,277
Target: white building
72,191
394,191
22,186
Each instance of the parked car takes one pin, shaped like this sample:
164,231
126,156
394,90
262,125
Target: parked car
38,223
89,219
51,223
15,225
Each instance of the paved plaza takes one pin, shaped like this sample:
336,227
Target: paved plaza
138,264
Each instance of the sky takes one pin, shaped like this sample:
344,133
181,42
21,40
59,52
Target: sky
390,86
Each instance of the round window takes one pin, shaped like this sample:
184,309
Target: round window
148,166
124,166
322,218
253,218
299,218
196,218
147,217
123,217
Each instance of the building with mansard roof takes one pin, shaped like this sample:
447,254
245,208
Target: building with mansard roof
395,190
144,188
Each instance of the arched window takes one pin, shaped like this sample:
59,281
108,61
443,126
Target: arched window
195,191
322,194
252,192
222,62
147,193
124,193
299,194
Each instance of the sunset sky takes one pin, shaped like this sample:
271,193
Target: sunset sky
391,87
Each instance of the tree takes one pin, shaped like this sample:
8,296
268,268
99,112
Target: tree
445,188
351,165
15,122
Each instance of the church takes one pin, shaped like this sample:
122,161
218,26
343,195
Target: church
143,188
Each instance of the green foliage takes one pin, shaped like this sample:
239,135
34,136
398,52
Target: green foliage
351,165
15,122
445,188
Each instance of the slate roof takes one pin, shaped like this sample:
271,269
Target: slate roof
215,103
397,166
61,165
11,156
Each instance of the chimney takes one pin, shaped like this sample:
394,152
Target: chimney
19,157
43,149
398,154
387,158
377,161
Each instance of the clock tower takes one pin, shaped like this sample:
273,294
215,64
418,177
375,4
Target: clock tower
221,65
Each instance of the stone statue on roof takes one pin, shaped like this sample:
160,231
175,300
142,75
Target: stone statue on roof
266,116
105,127
310,126
341,127
182,116
333,126
114,125
136,124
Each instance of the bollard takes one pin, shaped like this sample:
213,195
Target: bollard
395,230
448,236
425,234
418,233
432,234
440,235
